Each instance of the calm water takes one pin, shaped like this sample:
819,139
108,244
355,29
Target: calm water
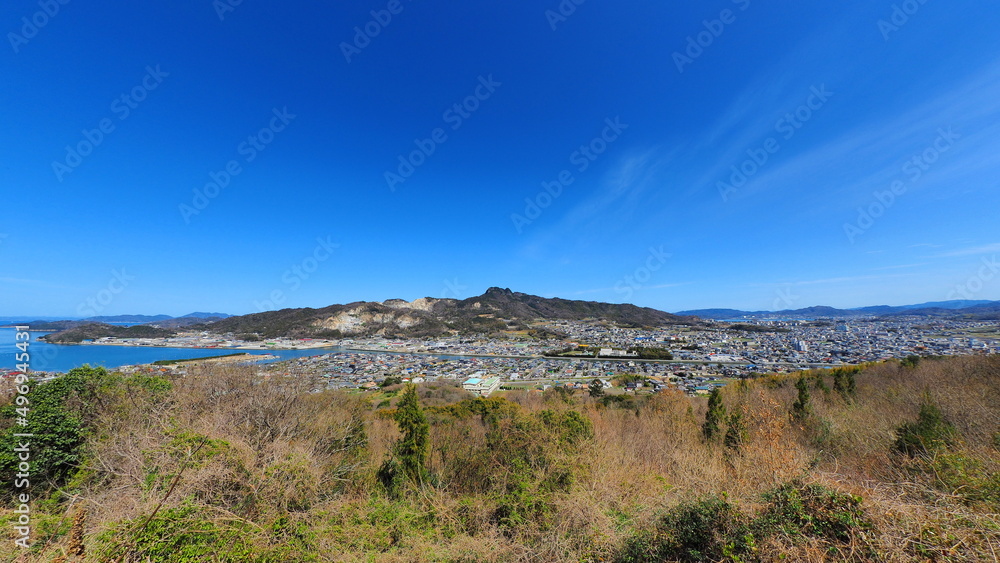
54,357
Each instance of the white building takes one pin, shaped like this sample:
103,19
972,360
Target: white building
481,387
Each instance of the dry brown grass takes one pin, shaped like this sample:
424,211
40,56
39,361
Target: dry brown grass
269,449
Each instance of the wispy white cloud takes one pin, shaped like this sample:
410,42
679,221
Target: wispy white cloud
970,108
899,267
983,249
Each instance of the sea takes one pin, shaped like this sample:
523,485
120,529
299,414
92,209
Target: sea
63,357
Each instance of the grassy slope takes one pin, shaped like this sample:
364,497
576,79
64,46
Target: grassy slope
268,472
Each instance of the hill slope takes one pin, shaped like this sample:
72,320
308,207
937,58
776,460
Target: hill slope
92,331
888,462
495,310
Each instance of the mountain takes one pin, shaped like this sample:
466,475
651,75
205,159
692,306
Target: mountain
715,313
151,319
497,309
145,319
8,321
190,320
52,325
955,304
988,311
974,310
57,323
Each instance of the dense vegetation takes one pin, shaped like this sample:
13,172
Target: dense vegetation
652,353
889,462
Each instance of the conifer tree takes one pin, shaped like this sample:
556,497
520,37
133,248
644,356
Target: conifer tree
715,415
411,450
801,407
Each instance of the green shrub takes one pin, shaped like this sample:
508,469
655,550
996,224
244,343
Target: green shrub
929,434
966,477
812,511
570,427
708,529
712,529
56,418
185,534
620,401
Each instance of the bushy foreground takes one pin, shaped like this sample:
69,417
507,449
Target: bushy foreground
890,462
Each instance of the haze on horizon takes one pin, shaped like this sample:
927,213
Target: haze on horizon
728,154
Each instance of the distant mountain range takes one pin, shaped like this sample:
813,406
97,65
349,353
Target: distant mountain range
153,318
958,309
161,321
495,310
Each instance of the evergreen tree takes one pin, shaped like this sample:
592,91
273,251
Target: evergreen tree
715,415
596,388
801,407
411,450
736,433
844,382
821,382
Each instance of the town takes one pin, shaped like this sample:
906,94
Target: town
702,357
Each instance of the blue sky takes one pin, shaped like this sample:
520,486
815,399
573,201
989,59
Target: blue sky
638,116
